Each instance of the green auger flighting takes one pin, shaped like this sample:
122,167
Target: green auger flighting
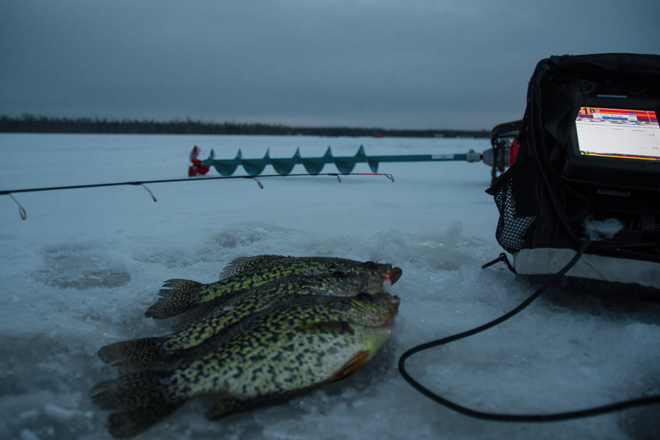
269,357
248,272
217,316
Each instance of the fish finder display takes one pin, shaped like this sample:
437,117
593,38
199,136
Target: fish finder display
618,133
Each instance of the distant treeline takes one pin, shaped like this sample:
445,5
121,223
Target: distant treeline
41,124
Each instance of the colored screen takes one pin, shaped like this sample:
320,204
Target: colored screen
618,133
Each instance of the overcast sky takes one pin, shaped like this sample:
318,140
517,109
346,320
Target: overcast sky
362,63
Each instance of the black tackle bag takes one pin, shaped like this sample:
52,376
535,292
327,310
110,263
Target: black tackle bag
587,164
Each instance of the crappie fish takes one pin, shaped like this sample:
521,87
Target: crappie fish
182,295
210,318
271,357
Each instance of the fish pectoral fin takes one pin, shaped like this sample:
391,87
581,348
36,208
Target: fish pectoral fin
242,264
354,364
337,327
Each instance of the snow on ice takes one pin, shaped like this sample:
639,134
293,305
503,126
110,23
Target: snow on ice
85,265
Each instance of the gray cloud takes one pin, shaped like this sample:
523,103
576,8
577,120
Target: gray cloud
412,64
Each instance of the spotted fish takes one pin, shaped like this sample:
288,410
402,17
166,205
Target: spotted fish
272,356
211,319
248,272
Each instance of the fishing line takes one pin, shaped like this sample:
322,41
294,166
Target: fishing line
23,214
516,417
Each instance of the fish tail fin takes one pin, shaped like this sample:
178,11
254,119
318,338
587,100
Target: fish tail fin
140,398
138,353
176,298
131,392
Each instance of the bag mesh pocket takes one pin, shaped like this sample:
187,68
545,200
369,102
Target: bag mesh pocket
515,197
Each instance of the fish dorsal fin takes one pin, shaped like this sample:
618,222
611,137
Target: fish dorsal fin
350,367
241,264
337,327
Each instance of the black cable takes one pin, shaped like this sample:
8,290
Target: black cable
515,417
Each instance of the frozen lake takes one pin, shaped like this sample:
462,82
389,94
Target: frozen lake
80,272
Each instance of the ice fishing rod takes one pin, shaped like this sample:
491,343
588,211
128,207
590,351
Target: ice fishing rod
23,214
642,401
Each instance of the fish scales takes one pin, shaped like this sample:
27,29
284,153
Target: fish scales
184,295
211,319
270,357
294,347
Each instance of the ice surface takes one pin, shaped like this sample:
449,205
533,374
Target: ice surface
83,268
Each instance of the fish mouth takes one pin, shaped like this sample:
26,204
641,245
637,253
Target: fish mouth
391,277
395,274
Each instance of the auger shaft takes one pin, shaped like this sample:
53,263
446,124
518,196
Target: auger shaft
314,165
